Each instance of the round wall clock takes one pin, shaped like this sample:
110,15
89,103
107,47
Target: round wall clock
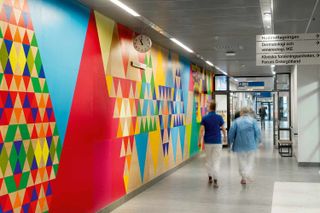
142,43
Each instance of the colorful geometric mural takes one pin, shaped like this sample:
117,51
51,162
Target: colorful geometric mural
125,126
29,141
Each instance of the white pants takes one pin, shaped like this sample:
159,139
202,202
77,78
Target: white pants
246,164
213,152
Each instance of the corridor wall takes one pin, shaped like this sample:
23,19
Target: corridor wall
79,126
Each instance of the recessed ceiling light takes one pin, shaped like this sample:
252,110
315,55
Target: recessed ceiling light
230,53
125,7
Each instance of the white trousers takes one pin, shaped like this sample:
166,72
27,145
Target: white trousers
213,153
246,164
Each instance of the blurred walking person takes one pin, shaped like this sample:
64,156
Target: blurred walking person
244,139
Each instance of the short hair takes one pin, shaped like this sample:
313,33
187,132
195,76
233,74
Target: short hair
245,110
212,105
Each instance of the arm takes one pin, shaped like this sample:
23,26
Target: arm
232,134
224,132
201,135
257,132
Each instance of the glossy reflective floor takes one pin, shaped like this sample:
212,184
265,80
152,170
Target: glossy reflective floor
187,189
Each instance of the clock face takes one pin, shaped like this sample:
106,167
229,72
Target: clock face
142,43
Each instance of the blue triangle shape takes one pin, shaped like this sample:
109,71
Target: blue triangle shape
174,134
182,137
17,145
164,149
34,112
41,73
25,18
49,112
26,103
1,111
26,71
17,169
141,145
34,195
49,141
8,44
8,102
49,161
1,147
34,164
49,190
26,49
8,68
8,11
26,207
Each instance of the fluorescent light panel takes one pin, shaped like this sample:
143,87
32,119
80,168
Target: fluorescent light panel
211,64
181,45
125,7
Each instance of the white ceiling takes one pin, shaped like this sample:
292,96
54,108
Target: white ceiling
212,27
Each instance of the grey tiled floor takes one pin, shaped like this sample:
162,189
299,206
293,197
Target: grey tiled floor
187,189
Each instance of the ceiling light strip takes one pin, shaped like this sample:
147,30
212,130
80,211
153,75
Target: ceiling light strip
181,45
164,33
125,7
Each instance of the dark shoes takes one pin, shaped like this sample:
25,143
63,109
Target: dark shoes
215,182
243,181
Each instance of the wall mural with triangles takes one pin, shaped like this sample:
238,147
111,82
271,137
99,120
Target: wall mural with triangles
80,127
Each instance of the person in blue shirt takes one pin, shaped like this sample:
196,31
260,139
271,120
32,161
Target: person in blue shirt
210,128
244,139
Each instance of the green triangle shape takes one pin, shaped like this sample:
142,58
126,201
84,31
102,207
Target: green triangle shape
30,154
1,35
4,56
34,41
3,160
1,77
143,87
52,150
24,132
30,60
22,156
11,133
59,149
10,183
38,62
36,85
13,158
139,110
152,83
45,88
147,125
55,168
141,127
144,77
55,132
156,111
150,62
24,180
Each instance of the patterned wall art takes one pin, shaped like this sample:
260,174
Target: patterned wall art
121,126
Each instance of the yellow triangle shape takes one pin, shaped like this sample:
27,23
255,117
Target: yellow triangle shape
105,28
110,86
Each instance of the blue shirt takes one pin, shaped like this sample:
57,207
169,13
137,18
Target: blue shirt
212,123
244,134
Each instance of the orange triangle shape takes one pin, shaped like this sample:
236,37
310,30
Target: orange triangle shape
17,37
17,202
17,112
13,18
42,134
128,161
41,172
41,103
17,79
26,38
41,203
119,132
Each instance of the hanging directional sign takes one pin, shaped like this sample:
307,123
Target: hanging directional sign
288,49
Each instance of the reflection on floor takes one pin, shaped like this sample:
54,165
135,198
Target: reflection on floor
187,190
296,197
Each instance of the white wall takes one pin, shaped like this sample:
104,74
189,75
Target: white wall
308,110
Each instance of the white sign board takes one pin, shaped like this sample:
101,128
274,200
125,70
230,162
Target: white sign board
288,49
